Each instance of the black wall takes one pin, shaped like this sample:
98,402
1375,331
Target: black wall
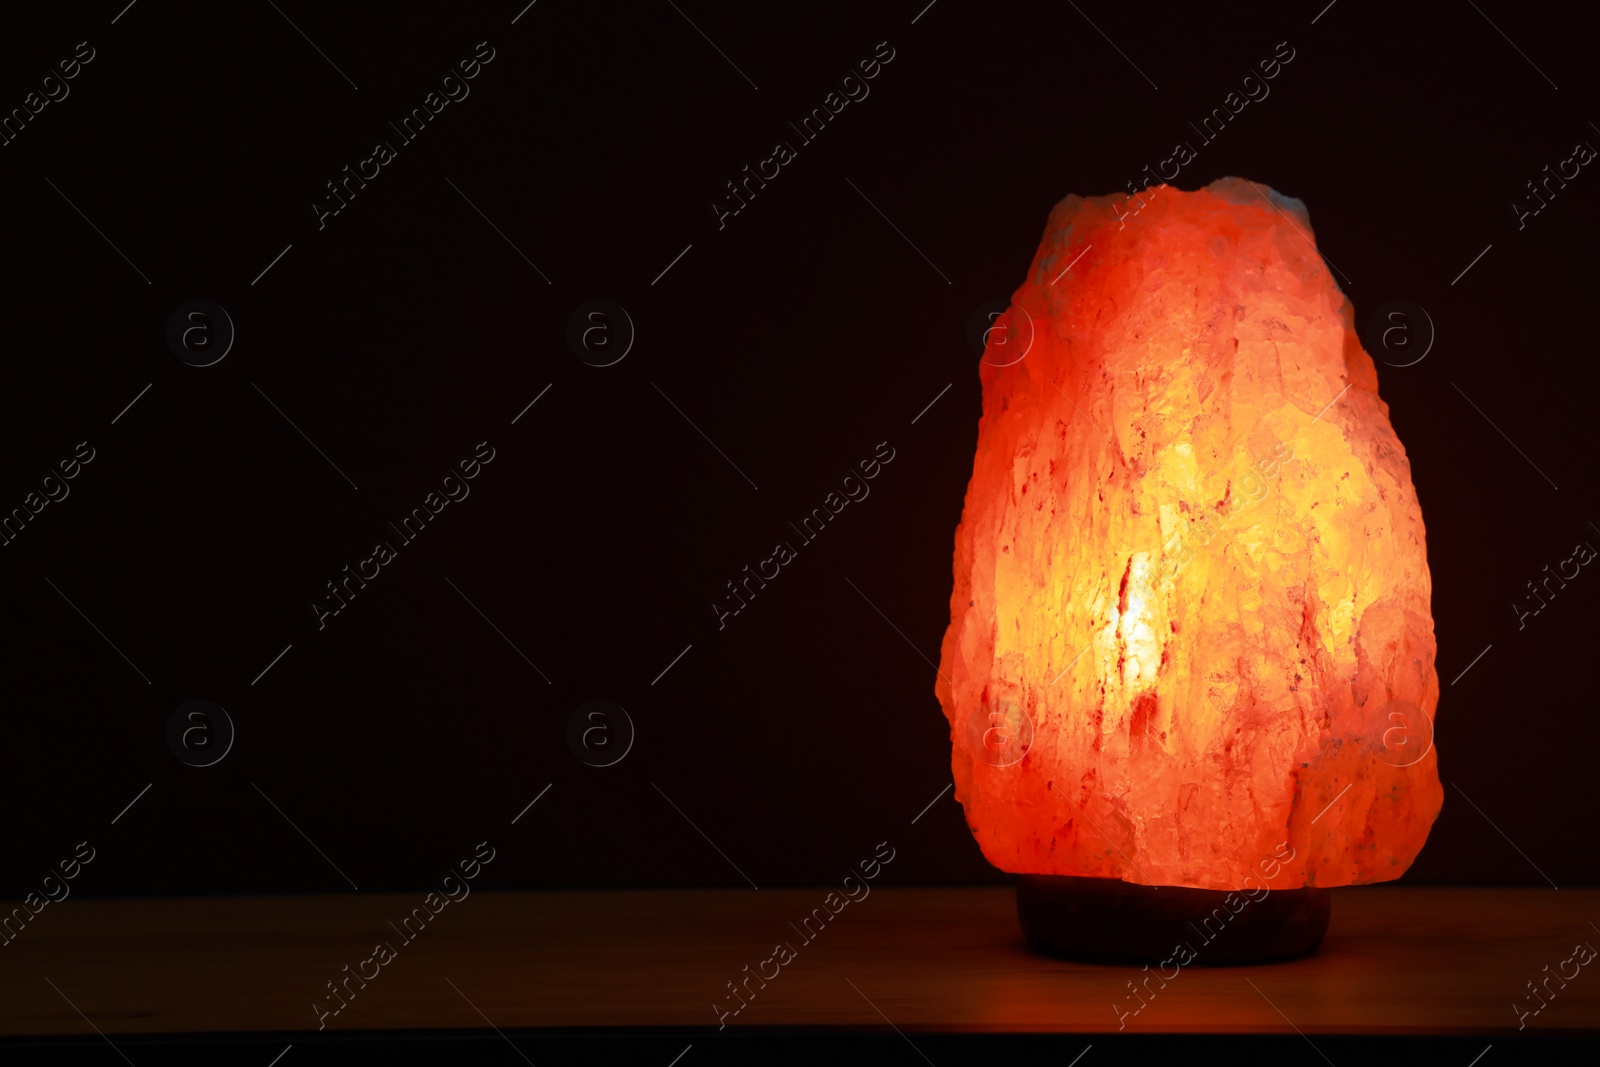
796,337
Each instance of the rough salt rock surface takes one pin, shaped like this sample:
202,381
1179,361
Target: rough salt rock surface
1191,583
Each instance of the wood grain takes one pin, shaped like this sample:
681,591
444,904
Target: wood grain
1396,961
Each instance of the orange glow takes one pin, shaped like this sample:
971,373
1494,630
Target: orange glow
1192,557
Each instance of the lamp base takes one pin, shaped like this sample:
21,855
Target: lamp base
1106,920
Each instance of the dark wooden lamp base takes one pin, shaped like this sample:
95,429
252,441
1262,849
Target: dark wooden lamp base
1105,920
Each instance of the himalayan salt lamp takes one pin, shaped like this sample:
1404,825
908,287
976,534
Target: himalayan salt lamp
1189,673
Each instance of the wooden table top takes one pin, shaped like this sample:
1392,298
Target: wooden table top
1396,961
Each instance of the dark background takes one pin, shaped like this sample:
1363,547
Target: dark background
796,338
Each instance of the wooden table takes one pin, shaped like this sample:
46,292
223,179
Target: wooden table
1396,961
